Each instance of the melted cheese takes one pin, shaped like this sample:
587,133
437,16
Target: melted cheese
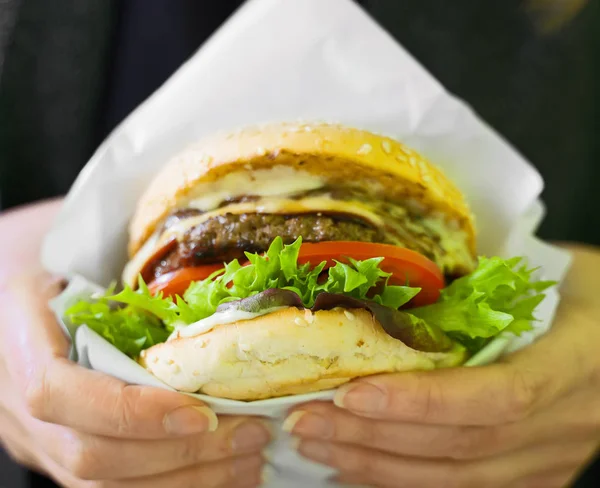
281,206
218,318
453,240
267,205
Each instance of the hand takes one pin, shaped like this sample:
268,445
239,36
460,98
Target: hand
531,420
77,424
88,430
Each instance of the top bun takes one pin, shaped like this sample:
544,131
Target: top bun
340,155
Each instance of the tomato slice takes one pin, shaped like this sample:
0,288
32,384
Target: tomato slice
176,282
406,266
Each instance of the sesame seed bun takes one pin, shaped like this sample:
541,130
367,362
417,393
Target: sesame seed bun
340,155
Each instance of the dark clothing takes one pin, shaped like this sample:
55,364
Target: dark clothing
74,69
70,70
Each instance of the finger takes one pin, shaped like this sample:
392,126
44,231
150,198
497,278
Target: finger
240,472
377,468
553,479
354,480
327,422
574,418
67,394
91,457
244,471
15,440
475,396
501,393
58,391
385,470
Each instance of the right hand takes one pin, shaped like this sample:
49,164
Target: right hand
86,429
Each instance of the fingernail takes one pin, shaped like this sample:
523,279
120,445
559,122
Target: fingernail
308,424
348,480
290,422
190,420
250,436
361,398
315,450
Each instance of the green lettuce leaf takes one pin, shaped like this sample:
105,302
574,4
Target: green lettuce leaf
130,329
279,268
135,320
500,295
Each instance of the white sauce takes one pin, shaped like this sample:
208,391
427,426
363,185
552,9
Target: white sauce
133,267
278,181
452,239
218,318
275,181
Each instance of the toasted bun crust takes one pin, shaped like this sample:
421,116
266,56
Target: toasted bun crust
287,352
338,154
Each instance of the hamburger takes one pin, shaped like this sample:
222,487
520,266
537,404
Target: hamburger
290,258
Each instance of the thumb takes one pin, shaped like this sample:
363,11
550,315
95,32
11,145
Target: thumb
507,391
59,391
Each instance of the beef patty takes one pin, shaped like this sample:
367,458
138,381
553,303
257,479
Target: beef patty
226,237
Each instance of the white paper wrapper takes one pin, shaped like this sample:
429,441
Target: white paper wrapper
284,60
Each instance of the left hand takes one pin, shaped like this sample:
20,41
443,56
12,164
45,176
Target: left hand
530,420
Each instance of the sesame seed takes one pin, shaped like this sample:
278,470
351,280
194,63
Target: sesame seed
261,151
300,322
349,315
170,362
365,149
412,161
387,147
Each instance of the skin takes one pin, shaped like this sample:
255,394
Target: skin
531,420
85,429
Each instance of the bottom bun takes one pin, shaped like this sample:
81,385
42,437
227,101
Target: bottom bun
287,352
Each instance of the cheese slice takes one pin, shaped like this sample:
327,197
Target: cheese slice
269,205
281,206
